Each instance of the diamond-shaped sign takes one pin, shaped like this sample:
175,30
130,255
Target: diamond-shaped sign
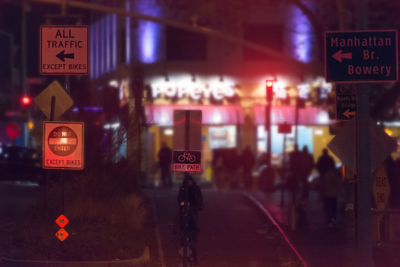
62,100
62,221
62,234
344,145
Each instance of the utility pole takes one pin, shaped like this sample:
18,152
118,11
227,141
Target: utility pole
364,191
269,92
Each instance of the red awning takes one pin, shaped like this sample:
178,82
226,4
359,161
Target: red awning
211,115
280,114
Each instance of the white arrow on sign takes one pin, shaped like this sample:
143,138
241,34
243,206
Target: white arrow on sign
343,145
349,113
339,56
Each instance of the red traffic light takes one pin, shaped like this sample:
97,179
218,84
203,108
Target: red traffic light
26,101
270,83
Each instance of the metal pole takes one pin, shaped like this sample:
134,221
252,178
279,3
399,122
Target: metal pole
364,225
268,129
296,122
364,194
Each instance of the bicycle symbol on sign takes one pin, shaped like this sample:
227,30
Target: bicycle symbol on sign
186,156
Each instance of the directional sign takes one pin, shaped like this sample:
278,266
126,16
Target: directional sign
62,100
381,187
63,145
186,161
64,49
346,102
343,145
62,234
62,221
361,56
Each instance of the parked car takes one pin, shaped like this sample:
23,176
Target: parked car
20,164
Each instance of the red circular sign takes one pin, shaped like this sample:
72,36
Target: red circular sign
62,141
13,130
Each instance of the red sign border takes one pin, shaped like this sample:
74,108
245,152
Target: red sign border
83,144
87,52
356,31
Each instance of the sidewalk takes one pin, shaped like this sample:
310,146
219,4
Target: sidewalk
319,244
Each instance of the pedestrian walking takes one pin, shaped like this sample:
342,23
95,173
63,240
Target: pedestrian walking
325,162
293,175
330,188
164,161
307,164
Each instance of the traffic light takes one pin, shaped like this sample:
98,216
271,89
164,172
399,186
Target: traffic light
269,89
26,101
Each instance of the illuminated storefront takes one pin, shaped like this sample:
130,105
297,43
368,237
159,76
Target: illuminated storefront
233,115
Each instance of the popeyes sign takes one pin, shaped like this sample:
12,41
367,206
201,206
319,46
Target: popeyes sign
194,90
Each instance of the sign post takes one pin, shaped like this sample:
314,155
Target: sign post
362,57
187,140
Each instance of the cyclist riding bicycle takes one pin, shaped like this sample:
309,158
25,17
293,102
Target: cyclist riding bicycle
190,201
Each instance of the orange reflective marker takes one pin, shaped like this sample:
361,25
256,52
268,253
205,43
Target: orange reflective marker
62,221
62,234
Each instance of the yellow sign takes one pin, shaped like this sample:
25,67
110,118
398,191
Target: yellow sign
62,100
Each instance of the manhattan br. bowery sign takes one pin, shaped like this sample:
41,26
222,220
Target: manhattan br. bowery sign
64,49
361,56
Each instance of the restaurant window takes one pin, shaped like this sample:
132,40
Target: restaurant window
268,35
185,45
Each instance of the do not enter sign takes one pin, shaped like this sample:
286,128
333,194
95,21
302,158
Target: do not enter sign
63,145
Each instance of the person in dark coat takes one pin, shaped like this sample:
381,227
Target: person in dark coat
164,161
306,166
292,182
190,200
248,161
325,162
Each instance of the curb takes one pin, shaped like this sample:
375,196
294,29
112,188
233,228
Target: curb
272,219
142,261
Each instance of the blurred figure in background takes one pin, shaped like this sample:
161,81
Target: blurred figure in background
325,162
248,161
164,161
330,188
307,164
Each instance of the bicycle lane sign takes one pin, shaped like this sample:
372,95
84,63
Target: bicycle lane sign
186,161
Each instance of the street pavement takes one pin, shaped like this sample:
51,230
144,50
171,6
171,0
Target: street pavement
319,244
233,232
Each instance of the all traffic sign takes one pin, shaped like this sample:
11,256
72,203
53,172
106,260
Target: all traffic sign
63,145
64,49
361,56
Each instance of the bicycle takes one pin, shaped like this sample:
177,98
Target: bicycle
186,156
187,236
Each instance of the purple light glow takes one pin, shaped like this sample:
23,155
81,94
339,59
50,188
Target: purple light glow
108,44
149,33
114,41
300,31
91,52
128,34
102,41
